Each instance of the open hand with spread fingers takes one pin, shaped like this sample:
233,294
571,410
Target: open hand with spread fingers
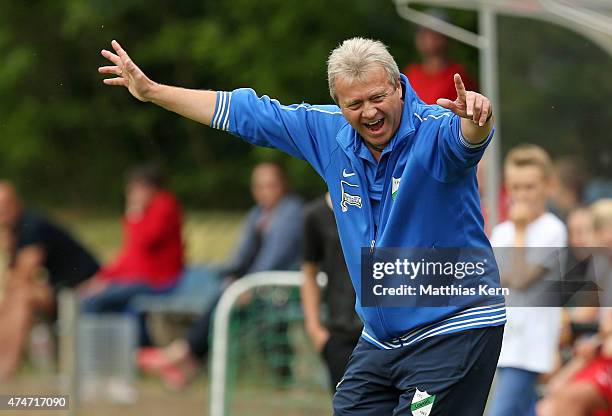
127,72
468,104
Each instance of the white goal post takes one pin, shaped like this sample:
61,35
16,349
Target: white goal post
218,375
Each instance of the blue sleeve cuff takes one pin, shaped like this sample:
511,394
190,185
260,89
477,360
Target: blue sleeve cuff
221,117
474,146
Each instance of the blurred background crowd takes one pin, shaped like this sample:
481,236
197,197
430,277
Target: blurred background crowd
69,160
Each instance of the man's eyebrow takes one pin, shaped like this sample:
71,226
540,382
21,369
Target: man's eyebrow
380,92
352,102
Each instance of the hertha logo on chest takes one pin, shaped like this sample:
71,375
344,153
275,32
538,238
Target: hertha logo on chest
347,197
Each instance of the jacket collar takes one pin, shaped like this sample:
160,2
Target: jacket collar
352,142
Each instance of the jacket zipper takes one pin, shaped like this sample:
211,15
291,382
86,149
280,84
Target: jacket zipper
381,209
362,177
382,202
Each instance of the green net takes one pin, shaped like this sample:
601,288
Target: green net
272,366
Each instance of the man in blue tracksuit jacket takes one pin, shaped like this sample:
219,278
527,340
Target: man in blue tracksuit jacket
400,174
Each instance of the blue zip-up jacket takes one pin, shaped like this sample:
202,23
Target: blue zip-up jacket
436,203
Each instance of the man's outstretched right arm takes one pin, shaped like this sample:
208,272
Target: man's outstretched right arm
198,105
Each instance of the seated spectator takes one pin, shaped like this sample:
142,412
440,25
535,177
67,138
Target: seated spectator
335,337
581,315
579,264
33,243
151,258
269,241
602,261
531,336
584,386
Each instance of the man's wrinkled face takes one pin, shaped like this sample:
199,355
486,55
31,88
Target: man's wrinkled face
373,107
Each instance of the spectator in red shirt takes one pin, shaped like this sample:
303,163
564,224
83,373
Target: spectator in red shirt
433,77
151,258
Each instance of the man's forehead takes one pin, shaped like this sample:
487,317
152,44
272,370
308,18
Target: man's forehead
349,89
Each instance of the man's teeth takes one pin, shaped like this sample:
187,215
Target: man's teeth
374,122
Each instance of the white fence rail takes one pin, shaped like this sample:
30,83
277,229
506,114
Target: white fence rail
218,377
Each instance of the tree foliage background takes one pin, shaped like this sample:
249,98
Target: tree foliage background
66,139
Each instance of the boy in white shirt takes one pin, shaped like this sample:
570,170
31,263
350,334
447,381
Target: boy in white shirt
532,334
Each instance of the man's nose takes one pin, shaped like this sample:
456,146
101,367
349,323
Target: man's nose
369,112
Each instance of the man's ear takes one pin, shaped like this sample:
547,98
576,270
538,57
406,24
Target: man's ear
398,85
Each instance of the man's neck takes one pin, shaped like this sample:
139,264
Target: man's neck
375,150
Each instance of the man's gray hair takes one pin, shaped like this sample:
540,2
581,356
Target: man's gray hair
355,57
